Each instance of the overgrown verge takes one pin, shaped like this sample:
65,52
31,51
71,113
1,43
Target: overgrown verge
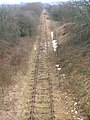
73,51
18,32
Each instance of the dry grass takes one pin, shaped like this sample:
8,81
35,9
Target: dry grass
13,69
74,58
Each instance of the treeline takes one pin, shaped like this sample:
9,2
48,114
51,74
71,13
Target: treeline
74,51
19,20
72,11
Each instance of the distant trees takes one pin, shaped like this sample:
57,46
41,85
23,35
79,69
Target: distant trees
8,28
63,12
72,11
17,23
35,7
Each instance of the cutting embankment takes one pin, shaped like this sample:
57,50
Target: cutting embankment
73,57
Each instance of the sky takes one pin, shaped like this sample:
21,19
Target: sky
27,1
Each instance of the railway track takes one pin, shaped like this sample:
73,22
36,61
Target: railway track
43,96
41,93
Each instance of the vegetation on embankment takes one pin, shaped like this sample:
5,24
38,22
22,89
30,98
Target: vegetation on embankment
73,53
18,29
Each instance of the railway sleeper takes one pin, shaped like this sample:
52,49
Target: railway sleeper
43,118
44,113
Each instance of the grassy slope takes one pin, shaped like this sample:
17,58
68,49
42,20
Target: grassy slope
74,58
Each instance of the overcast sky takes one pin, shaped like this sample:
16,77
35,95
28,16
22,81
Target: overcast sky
19,1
